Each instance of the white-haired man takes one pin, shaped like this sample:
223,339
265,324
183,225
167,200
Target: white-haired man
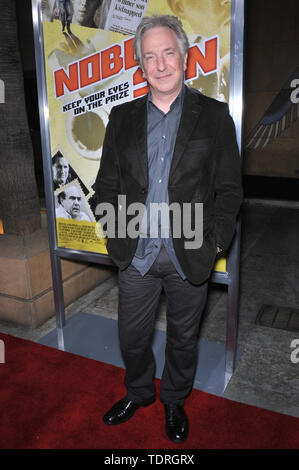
173,146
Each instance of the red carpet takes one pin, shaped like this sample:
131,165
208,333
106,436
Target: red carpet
50,399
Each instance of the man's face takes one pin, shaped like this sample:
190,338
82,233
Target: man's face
72,202
162,62
60,171
207,18
84,11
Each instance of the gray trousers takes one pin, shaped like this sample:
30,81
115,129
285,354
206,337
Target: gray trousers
138,301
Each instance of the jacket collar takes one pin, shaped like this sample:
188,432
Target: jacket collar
190,114
139,120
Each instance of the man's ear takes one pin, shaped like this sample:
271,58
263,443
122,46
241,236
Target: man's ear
177,7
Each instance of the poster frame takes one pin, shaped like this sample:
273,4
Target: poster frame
231,276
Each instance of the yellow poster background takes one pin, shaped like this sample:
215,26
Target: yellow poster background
79,138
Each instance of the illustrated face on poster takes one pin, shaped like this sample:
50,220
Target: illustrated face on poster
90,68
71,203
60,169
85,12
207,18
70,200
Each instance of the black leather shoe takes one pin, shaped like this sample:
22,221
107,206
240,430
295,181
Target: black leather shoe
123,410
176,422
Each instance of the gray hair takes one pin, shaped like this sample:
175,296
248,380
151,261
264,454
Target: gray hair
154,21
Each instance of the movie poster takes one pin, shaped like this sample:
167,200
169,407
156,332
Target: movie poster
90,67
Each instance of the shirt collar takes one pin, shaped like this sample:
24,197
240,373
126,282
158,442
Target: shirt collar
178,101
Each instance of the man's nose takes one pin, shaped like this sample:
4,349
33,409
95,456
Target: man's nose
161,63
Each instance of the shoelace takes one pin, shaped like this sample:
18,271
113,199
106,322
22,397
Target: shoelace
172,415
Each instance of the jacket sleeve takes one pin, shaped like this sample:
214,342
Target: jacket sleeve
228,187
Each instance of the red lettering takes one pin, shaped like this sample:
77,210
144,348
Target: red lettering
112,62
137,80
129,54
90,64
207,62
70,81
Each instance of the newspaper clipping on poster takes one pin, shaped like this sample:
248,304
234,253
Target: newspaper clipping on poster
90,67
124,15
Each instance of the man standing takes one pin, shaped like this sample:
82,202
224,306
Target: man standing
65,14
173,146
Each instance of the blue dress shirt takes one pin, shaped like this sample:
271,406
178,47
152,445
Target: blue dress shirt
161,136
